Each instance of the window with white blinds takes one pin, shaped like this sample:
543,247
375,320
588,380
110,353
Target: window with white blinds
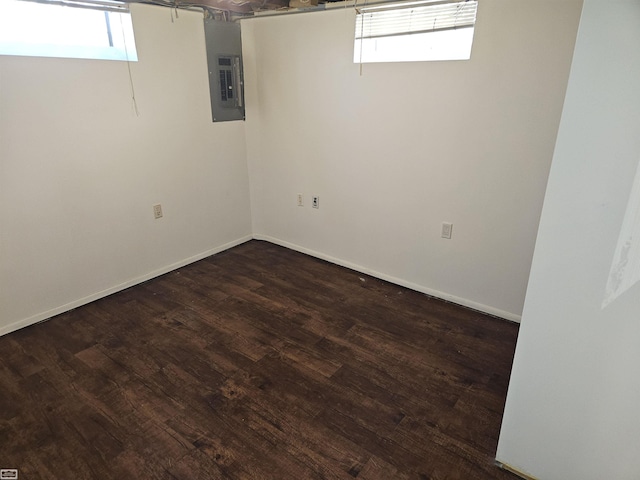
415,31
93,29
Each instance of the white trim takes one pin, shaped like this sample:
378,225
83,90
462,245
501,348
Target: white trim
109,291
37,28
102,5
398,281
515,471
413,17
39,317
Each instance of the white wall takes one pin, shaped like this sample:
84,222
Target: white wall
79,171
395,152
572,407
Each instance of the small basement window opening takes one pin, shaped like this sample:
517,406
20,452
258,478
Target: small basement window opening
94,29
415,31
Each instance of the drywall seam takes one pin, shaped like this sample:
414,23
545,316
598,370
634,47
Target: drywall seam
398,281
109,291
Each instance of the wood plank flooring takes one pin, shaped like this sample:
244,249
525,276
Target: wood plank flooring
257,363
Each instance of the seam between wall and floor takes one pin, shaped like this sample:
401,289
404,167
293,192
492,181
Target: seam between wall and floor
39,317
42,316
395,280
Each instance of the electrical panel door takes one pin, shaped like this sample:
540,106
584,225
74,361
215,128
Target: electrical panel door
224,58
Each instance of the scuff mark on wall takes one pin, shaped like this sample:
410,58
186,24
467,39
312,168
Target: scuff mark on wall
625,268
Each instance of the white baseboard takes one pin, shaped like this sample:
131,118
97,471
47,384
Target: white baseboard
398,281
168,268
515,471
117,288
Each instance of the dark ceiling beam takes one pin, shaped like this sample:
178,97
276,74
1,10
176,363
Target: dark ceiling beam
235,6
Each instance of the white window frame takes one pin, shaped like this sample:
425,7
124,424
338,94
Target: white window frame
53,28
427,30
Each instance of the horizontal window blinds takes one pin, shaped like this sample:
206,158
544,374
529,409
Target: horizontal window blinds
415,17
105,5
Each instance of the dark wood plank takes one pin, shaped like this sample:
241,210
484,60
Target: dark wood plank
257,363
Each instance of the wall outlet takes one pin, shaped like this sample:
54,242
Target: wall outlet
315,202
447,228
157,211
300,200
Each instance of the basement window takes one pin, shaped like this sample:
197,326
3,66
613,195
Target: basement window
95,29
415,31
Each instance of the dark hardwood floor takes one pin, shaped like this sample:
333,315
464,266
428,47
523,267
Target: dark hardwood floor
257,363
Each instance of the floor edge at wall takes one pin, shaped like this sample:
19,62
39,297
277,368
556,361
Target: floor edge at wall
515,471
398,281
12,327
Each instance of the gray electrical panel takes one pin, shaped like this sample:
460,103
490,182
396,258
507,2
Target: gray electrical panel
224,57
